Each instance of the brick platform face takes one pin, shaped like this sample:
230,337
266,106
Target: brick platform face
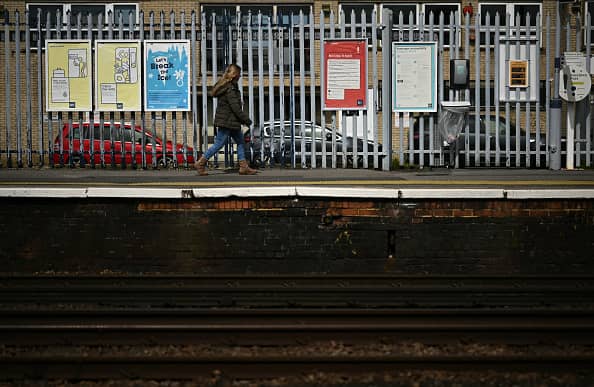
230,236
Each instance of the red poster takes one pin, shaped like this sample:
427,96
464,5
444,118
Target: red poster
345,71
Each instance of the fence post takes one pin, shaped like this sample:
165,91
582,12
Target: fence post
555,105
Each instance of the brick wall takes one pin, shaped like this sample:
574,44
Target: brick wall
297,236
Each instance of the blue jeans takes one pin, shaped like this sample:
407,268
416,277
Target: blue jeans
222,135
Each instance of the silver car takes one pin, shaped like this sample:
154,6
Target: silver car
274,143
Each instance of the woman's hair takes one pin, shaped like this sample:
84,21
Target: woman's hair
231,72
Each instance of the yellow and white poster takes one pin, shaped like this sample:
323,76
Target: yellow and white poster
117,75
67,76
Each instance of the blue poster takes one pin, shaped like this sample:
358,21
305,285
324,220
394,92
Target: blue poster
167,75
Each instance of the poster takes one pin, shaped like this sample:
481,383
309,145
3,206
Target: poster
167,75
345,71
414,76
117,75
67,75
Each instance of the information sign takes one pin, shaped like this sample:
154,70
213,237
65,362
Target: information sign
167,75
414,74
345,71
67,76
117,75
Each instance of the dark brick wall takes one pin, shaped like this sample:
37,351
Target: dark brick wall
297,236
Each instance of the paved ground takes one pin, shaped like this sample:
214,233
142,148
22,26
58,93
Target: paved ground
437,178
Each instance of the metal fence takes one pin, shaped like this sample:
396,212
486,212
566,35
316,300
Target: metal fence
283,86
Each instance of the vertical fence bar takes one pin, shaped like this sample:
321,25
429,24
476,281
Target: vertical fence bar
302,92
548,100
554,135
577,122
323,89
507,91
497,50
131,27
528,91
374,123
477,99
354,114
292,89
589,109
517,34
257,135
100,26
239,28
29,107
343,114
184,113
194,87
143,137
281,92
312,90
81,150
432,132
204,72
250,59
112,128
17,104
153,114
174,113
49,114
365,136
163,161
215,70
441,88
270,138
538,96
386,88
490,132
91,115
411,146
477,93
332,36
70,117
39,89
7,71
69,114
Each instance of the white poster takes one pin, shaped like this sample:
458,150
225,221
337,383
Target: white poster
342,74
414,70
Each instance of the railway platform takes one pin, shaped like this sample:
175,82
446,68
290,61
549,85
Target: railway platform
282,182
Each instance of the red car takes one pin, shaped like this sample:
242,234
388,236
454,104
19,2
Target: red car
114,136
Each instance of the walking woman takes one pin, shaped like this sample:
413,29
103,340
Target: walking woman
228,119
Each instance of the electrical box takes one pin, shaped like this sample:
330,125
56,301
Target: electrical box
575,83
459,74
518,73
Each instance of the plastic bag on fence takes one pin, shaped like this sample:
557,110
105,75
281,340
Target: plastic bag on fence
451,120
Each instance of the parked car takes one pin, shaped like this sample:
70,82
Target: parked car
269,136
113,136
496,132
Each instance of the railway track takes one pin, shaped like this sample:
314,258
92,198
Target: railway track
163,328
313,291
248,344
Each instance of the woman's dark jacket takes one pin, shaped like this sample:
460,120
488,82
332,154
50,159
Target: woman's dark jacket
229,112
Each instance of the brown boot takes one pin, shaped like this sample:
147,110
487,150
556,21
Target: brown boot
200,166
244,168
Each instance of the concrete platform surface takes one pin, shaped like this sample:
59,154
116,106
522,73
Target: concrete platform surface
403,183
